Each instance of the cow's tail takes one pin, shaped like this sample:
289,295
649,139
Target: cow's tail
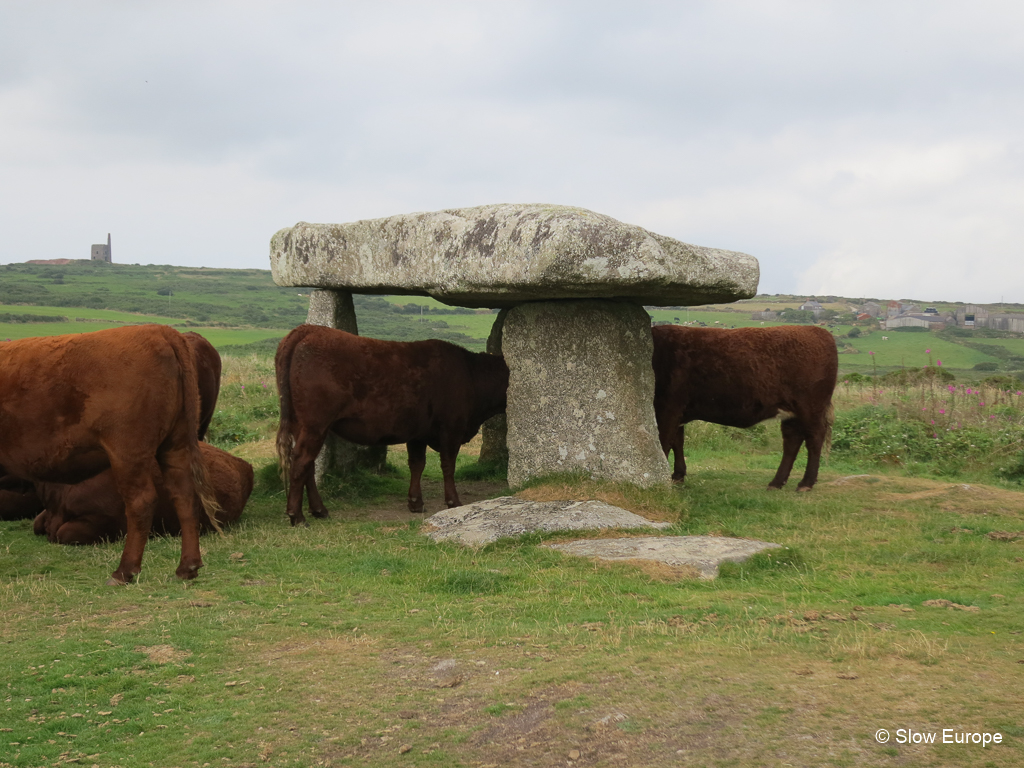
285,436
830,419
189,379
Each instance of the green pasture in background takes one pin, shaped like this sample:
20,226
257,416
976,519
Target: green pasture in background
241,307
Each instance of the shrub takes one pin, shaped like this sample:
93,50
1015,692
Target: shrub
854,332
986,366
1000,382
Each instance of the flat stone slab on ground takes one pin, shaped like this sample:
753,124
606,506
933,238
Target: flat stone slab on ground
704,553
485,521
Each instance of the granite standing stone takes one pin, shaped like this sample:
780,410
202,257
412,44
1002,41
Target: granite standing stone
581,392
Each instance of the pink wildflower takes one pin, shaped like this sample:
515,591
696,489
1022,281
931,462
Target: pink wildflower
942,410
927,351
938,362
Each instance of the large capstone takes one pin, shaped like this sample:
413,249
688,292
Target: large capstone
502,255
581,392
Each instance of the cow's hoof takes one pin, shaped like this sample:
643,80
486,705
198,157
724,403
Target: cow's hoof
115,581
774,487
416,507
187,573
320,514
297,521
803,488
678,479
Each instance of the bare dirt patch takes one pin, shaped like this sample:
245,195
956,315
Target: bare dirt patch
963,498
163,654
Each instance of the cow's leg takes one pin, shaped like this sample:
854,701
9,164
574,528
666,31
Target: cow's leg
180,486
300,476
316,504
417,461
78,532
679,458
815,441
40,526
792,438
448,457
135,484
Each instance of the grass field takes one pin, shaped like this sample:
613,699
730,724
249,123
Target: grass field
358,642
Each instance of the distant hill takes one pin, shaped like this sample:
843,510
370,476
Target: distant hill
203,298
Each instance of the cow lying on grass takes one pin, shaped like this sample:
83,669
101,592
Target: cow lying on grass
93,511
124,399
25,503
741,377
373,392
19,504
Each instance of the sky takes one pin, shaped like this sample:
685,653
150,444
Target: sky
869,148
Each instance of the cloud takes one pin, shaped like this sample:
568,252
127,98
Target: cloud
813,136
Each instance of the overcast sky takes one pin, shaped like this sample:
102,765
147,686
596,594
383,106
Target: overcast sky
855,148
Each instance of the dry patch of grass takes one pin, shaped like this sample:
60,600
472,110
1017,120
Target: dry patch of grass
650,504
163,654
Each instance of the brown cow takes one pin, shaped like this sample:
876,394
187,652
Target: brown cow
25,503
126,399
19,504
375,392
741,377
93,511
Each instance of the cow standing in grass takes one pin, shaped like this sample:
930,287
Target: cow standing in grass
744,376
373,392
124,399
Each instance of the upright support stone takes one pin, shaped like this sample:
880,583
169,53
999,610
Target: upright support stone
493,433
334,309
581,392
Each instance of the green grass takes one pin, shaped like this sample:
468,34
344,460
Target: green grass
348,641
309,646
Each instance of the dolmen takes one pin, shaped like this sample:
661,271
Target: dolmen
574,333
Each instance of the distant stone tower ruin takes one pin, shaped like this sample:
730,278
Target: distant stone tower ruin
101,252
